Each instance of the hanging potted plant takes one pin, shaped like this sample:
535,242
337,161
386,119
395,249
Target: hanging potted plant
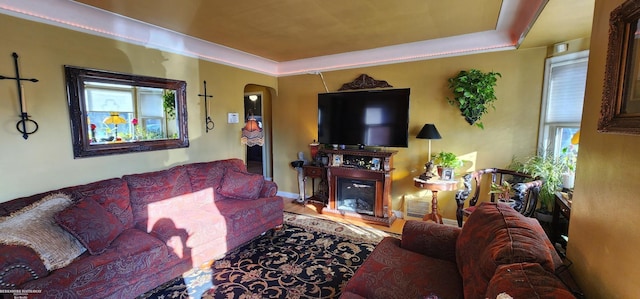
169,103
474,93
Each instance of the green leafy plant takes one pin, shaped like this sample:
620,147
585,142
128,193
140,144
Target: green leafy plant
447,160
568,158
169,103
546,168
474,93
503,190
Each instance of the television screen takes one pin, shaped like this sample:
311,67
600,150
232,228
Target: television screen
370,118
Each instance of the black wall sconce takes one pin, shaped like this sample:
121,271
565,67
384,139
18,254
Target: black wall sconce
208,123
21,126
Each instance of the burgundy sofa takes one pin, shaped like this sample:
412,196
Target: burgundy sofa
496,251
141,230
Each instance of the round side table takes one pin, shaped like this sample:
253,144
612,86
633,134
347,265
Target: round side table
434,186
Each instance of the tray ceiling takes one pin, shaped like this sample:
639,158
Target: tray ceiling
286,37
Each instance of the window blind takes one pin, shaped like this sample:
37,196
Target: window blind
566,92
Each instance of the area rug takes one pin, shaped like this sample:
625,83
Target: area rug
308,258
348,230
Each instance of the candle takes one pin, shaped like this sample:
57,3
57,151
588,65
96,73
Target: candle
23,101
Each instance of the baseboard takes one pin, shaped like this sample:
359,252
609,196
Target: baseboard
288,194
452,222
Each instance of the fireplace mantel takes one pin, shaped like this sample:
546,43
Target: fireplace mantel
375,166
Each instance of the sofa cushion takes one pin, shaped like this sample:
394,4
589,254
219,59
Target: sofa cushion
240,185
526,280
111,194
430,238
91,224
155,187
393,272
497,235
135,261
34,226
206,176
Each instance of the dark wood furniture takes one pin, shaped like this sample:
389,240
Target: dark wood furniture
367,165
434,186
318,197
562,206
526,190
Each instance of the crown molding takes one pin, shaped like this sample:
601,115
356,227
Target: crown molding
515,19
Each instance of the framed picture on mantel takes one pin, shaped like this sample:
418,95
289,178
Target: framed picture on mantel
375,164
337,160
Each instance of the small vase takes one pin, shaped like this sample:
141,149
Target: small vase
568,180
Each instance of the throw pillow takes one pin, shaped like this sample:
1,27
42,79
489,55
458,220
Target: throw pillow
94,226
34,226
240,185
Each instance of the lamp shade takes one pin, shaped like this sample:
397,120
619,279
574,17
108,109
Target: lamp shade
114,119
252,133
575,139
429,131
252,125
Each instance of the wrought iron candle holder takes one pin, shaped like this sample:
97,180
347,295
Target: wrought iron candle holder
21,126
208,123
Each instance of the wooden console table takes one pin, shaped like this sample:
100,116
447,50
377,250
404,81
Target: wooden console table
318,198
562,206
434,186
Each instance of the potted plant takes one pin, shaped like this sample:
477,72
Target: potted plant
446,160
474,93
504,192
169,103
548,169
568,159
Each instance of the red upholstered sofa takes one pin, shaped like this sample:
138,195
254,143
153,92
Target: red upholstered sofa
143,229
496,251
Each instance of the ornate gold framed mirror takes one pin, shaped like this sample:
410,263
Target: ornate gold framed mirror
115,113
620,111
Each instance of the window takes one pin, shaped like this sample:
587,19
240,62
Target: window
563,96
129,102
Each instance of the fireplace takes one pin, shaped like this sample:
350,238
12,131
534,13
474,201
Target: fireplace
360,191
355,195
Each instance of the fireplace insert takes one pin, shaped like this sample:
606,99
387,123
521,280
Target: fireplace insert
356,195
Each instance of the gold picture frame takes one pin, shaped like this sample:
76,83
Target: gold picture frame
620,110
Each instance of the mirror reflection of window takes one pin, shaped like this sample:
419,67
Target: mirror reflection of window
141,107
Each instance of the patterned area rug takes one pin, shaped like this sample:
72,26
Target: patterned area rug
309,258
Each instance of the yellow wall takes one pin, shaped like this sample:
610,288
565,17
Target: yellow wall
509,130
604,236
45,161
603,233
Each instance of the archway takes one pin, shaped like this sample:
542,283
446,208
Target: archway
257,104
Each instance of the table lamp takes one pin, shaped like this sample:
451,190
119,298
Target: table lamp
115,119
429,132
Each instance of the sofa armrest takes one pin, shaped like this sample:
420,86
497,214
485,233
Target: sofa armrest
269,189
19,264
430,239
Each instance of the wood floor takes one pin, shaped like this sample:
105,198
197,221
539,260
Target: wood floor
291,206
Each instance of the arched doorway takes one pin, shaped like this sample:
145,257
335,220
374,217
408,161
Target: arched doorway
257,104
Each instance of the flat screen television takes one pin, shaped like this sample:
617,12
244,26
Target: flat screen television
368,118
